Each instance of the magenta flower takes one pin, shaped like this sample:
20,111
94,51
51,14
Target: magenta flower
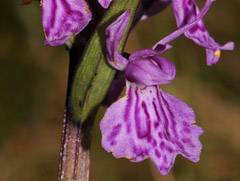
185,11
61,19
148,122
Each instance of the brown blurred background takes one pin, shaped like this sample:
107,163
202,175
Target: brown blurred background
33,80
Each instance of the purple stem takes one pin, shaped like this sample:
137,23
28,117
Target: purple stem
74,162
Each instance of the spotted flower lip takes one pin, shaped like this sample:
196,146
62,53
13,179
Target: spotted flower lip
187,10
148,122
61,19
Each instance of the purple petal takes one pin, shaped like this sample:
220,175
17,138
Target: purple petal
151,123
185,27
105,3
141,54
145,53
156,7
186,11
151,71
114,34
61,19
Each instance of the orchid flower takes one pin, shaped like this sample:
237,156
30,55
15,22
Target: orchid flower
63,19
148,122
184,12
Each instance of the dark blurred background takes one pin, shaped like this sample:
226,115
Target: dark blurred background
33,80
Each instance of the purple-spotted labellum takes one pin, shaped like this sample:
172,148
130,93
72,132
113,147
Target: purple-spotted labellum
185,11
148,122
62,19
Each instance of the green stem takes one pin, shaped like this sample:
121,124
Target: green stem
89,85
94,76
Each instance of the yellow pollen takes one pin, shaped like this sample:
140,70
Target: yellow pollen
217,53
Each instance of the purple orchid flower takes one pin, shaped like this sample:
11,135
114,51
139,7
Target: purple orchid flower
61,19
185,11
148,122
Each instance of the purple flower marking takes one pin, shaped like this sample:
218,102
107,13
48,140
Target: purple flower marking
148,122
185,11
63,18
